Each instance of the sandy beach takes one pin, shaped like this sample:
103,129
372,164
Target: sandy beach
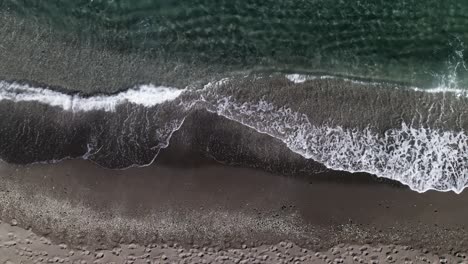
23,246
191,199
226,187
216,211
127,140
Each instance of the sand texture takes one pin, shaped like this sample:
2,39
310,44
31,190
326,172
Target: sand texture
18,245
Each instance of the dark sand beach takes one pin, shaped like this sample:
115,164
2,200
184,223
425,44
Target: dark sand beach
196,196
155,133
220,207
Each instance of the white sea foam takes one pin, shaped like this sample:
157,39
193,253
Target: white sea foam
301,78
145,95
421,158
441,88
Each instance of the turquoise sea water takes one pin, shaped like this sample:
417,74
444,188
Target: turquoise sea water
419,42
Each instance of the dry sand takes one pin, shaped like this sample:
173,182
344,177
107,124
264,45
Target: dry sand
18,245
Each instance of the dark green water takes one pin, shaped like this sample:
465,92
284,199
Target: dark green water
420,42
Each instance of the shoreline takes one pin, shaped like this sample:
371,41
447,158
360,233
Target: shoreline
279,141
247,159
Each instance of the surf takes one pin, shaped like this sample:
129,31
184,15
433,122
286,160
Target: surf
421,157
144,95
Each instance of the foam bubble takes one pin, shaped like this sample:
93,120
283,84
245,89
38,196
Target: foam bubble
145,95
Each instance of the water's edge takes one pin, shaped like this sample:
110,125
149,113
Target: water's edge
340,123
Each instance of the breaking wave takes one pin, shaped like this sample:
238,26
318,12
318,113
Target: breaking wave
421,157
145,95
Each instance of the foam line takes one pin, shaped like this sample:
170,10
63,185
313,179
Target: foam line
144,95
301,78
420,158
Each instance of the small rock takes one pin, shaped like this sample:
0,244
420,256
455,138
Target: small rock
116,251
132,246
335,251
10,243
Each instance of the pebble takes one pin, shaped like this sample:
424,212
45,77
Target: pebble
335,251
132,246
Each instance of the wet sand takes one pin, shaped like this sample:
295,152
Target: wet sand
83,205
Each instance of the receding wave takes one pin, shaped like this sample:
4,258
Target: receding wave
419,149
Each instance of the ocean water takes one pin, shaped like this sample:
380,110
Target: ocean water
359,86
419,42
